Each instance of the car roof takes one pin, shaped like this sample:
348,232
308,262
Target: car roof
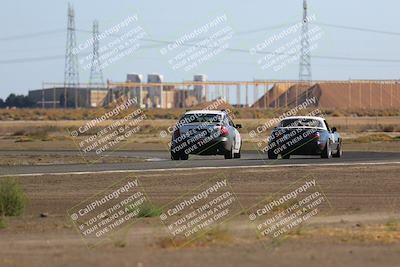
305,117
205,111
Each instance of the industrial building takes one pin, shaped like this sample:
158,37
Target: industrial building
333,94
152,94
155,93
60,97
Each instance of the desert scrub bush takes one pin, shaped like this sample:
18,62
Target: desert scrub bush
388,128
12,198
2,223
146,210
149,210
38,133
23,140
392,225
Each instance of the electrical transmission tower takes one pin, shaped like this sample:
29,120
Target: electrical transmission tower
96,73
71,70
305,57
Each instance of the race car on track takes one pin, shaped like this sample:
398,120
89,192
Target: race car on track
304,135
205,132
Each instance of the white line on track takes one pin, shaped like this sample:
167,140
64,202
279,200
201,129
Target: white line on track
209,168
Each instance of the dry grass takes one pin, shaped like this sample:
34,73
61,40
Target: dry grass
243,113
119,244
33,160
58,130
386,233
392,225
12,198
2,223
373,138
42,133
372,234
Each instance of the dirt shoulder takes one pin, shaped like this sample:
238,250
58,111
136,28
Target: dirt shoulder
361,229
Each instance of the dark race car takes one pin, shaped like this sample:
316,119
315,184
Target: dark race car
203,132
304,135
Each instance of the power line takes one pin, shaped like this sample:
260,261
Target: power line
266,52
357,28
31,59
262,29
256,30
358,59
288,54
159,42
32,35
338,58
54,57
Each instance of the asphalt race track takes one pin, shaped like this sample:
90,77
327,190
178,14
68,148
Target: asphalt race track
159,160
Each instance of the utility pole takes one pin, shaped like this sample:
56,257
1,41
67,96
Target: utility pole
71,70
305,58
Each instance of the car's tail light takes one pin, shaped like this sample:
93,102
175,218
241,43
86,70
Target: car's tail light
315,135
177,133
224,131
276,134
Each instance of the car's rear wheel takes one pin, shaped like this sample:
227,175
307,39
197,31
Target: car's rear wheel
175,156
327,152
184,156
238,155
272,155
229,153
339,152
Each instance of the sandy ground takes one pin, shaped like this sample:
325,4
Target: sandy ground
361,228
43,159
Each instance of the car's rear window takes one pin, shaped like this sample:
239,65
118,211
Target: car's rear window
300,123
200,118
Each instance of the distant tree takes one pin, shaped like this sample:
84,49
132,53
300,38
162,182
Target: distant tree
19,101
62,100
10,100
2,104
70,100
28,102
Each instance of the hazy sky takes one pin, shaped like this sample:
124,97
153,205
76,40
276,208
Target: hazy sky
252,22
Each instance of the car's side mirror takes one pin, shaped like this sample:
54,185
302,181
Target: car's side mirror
334,130
238,126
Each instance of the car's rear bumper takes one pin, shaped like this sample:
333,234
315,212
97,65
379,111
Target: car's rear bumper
308,147
212,146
